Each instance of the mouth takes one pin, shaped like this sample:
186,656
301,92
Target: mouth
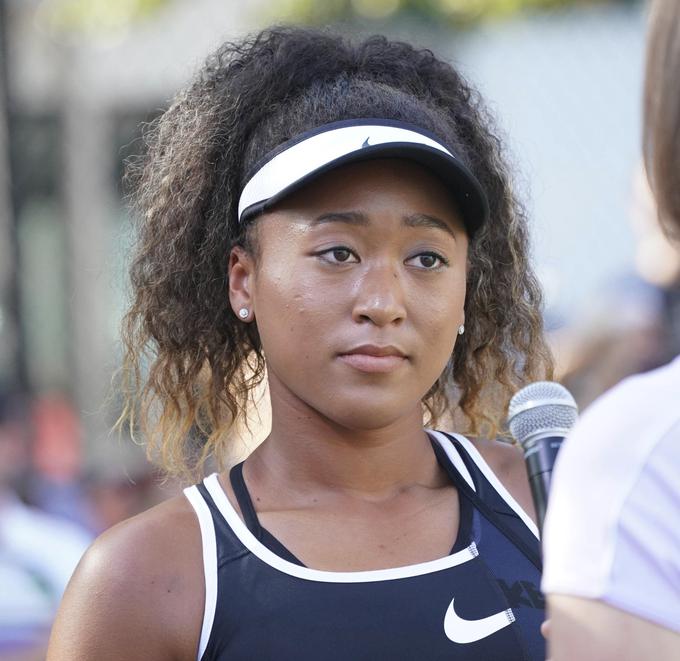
374,359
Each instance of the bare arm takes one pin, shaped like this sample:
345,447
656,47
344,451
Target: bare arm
590,630
136,594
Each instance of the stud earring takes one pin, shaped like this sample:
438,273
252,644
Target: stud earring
461,329
243,313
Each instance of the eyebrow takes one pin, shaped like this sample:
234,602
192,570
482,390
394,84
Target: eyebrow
358,218
425,220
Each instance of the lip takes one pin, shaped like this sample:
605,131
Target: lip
375,359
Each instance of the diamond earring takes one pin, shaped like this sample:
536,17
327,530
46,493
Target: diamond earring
243,313
461,329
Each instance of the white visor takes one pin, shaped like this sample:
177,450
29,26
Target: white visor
297,161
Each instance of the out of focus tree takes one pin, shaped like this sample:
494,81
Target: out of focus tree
97,15
454,12
103,15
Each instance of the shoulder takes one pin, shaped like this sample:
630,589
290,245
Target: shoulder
137,592
640,404
506,461
622,522
157,539
614,440
615,492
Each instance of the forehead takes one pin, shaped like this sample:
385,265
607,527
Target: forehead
395,186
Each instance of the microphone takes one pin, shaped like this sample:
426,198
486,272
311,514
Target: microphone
540,415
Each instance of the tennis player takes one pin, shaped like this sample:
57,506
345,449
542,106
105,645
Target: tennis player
337,219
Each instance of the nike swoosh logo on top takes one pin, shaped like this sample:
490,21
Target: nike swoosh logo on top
463,631
366,144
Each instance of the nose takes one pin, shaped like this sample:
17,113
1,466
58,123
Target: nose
380,297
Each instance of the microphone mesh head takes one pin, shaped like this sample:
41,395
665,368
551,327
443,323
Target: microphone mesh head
541,409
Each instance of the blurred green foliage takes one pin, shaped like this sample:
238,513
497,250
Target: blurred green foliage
108,15
97,15
456,12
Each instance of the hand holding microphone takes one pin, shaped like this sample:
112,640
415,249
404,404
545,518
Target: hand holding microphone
540,416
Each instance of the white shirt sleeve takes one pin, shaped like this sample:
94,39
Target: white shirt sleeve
612,531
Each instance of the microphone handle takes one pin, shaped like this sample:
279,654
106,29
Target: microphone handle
540,459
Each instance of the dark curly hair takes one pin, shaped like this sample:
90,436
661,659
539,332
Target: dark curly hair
251,96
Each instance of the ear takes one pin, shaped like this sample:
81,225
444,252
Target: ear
241,281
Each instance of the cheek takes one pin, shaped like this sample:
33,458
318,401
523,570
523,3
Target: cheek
442,303
291,309
438,315
438,335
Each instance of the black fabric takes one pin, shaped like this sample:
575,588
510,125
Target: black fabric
244,500
468,500
265,611
491,512
245,503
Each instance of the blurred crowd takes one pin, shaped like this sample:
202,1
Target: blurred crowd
632,324
51,508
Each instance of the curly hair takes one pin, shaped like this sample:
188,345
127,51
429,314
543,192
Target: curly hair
661,136
190,366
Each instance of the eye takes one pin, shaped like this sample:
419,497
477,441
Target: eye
339,255
430,261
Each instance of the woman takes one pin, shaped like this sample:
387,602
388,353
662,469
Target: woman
613,550
341,215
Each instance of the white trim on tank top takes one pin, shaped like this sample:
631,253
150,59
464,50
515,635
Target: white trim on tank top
268,557
453,455
249,540
254,545
474,454
209,544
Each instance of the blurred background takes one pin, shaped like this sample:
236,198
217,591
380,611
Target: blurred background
77,80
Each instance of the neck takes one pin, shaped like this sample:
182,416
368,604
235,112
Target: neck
307,452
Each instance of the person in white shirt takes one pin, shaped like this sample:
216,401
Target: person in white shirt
38,551
612,532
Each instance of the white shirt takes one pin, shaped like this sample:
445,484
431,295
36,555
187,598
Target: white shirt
38,554
612,531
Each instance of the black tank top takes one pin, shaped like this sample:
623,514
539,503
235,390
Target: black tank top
481,602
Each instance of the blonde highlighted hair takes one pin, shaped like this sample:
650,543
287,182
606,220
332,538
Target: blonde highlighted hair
191,366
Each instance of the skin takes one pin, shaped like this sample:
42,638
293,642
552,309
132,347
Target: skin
370,254
591,630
